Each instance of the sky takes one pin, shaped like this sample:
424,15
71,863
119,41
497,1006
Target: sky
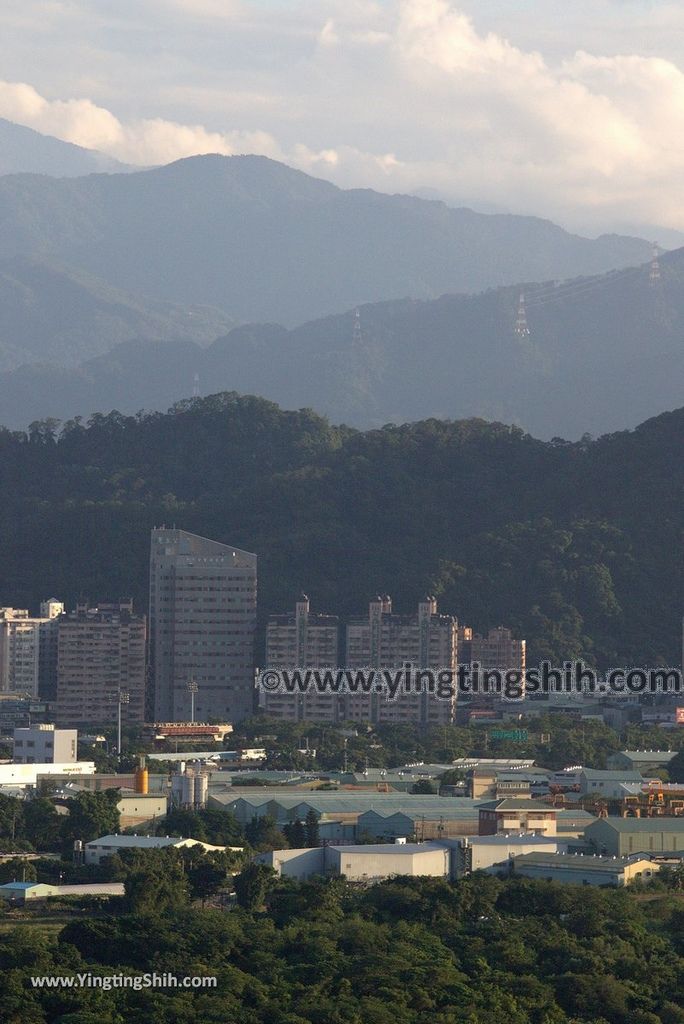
572,110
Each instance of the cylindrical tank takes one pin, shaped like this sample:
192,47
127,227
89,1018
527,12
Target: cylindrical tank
190,789
201,789
142,778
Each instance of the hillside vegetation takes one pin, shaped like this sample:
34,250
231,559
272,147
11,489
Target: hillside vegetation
578,547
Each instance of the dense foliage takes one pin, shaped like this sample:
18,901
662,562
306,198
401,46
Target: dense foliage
553,740
577,547
419,951
35,824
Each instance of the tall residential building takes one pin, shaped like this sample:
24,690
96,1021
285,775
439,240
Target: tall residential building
202,628
302,640
43,744
100,662
388,641
499,649
50,613
25,643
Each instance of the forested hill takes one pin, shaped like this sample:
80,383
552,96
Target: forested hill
577,546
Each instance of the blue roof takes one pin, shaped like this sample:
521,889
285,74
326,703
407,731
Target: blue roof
19,885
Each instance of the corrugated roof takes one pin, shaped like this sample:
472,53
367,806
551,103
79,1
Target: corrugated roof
577,861
391,848
648,755
642,824
615,775
511,804
352,801
135,841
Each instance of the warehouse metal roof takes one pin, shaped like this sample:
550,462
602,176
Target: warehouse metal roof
658,824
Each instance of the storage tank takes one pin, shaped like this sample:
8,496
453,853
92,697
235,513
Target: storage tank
142,778
201,789
189,789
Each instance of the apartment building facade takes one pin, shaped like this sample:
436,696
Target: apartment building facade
384,640
302,640
100,656
27,648
202,628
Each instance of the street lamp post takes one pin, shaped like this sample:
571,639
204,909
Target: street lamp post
192,690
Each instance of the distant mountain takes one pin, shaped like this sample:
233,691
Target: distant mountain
602,354
23,150
50,314
264,242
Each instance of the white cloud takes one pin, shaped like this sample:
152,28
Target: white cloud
523,110
145,141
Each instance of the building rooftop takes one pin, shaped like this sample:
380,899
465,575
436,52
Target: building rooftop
578,861
511,804
351,801
659,824
492,762
510,839
390,848
649,756
136,841
615,775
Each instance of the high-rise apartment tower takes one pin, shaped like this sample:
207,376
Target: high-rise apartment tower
201,628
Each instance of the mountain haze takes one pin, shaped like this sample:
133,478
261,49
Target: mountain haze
603,354
54,315
23,150
264,242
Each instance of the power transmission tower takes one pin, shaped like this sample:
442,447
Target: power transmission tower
654,272
521,326
357,333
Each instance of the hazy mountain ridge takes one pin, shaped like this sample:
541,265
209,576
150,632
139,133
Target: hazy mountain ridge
23,150
49,314
265,242
602,355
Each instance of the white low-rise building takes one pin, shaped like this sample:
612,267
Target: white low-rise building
585,869
23,892
362,863
98,850
607,784
44,744
495,853
22,775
